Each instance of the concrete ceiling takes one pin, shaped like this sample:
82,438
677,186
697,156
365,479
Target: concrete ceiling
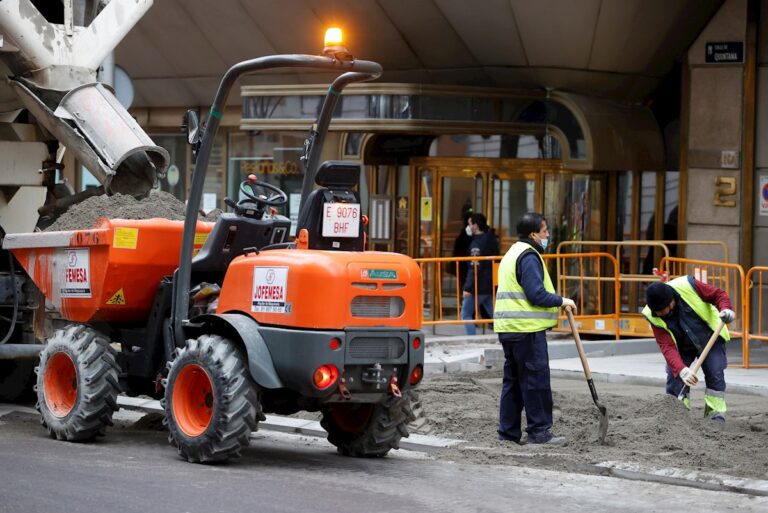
619,49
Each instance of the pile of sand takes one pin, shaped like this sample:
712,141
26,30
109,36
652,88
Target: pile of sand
646,427
85,214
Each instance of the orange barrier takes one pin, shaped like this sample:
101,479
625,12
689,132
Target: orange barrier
730,278
756,281
582,276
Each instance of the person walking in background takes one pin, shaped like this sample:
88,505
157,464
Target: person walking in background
684,314
526,307
461,249
483,243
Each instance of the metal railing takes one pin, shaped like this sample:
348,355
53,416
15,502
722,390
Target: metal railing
753,318
728,277
593,280
587,277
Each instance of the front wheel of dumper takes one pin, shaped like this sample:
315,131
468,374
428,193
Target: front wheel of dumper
211,403
368,430
77,384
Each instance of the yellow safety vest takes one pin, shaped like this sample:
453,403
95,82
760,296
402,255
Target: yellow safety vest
708,313
513,313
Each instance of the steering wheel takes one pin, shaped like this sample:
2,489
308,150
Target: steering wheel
276,196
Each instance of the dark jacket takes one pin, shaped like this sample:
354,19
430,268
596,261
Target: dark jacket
691,332
484,244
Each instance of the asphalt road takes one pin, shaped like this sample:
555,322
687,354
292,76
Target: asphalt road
135,470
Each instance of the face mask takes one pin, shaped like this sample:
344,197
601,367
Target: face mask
468,230
544,243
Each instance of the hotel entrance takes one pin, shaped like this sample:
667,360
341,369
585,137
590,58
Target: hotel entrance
503,190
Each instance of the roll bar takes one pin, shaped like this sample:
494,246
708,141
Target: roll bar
353,71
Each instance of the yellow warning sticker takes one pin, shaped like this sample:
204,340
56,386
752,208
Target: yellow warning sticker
126,238
200,238
118,298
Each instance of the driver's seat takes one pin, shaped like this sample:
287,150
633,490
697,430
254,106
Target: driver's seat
233,234
336,179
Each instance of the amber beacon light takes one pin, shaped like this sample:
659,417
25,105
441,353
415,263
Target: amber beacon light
334,45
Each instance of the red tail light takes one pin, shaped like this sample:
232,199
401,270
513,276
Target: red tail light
325,376
335,344
416,343
416,374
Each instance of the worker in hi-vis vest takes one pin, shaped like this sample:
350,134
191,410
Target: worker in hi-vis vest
526,307
684,314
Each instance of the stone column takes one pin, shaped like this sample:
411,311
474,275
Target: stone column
714,199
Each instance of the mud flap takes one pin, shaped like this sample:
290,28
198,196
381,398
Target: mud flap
243,328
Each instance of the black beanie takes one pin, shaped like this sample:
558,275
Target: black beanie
658,295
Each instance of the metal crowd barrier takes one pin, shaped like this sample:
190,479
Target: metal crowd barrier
593,280
754,311
586,277
730,278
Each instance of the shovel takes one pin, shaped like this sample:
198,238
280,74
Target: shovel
700,361
603,427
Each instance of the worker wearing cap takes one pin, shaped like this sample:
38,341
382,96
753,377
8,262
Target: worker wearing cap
684,314
526,307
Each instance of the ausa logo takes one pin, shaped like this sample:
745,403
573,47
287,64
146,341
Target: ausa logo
378,274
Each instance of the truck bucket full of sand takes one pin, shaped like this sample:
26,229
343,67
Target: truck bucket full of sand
109,273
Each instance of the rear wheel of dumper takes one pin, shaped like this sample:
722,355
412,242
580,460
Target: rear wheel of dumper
367,430
211,403
77,384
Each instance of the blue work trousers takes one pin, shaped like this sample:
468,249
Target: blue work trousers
714,370
526,386
468,309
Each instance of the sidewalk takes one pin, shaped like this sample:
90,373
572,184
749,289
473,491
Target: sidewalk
630,361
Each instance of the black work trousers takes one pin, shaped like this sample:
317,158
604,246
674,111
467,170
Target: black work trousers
526,386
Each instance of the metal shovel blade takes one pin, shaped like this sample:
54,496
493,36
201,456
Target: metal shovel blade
602,428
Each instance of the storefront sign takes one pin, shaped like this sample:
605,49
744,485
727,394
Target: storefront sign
731,52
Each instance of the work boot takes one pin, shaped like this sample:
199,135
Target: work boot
518,441
552,440
717,417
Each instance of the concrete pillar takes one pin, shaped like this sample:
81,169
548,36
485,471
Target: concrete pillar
714,195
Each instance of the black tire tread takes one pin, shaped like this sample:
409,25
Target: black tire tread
238,411
387,425
97,382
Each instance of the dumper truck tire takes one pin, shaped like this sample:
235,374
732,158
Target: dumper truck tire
211,403
77,384
419,425
17,381
368,430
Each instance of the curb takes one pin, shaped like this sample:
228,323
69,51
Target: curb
625,379
305,427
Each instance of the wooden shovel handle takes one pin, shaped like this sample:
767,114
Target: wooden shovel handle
705,352
579,347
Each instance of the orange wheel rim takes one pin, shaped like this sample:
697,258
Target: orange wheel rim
60,384
193,400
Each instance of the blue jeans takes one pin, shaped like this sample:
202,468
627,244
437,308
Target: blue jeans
468,309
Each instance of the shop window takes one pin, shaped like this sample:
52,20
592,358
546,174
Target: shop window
175,181
273,157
